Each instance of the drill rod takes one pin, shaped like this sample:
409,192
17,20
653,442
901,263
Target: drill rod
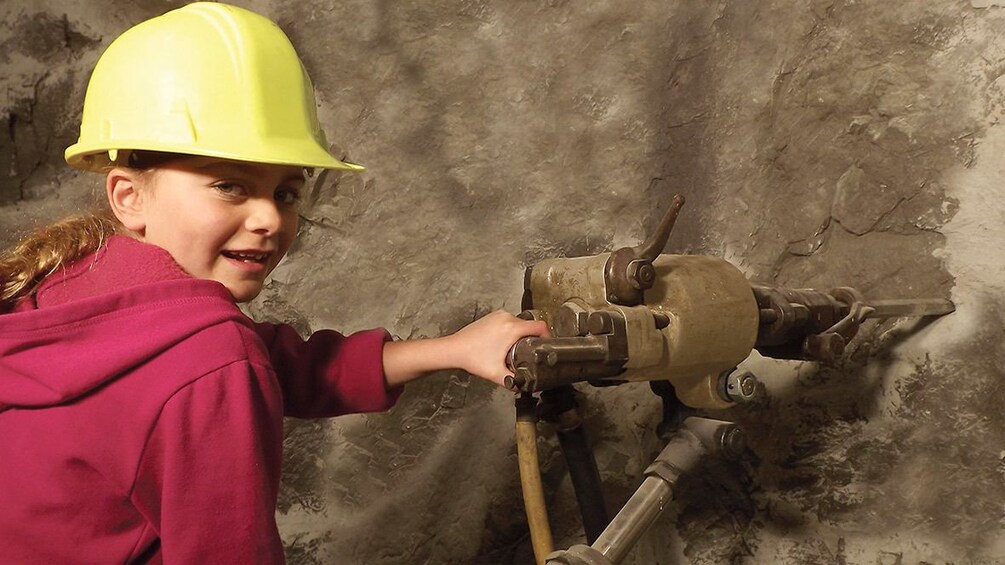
909,308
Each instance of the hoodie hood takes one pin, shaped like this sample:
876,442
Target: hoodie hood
102,316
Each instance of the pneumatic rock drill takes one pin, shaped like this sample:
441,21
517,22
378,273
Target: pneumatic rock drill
682,321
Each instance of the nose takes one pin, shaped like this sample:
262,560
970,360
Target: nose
264,217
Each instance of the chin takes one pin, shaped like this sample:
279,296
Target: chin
244,293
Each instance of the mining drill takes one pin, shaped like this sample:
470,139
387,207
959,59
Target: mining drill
682,322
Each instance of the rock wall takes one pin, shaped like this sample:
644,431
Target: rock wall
819,143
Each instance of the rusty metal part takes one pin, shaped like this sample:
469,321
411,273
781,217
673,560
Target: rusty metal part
697,438
712,324
545,363
817,325
788,315
700,318
569,320
600,323
637,315
807,323
629,271
826,348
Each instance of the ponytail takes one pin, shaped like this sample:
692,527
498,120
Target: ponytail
24,266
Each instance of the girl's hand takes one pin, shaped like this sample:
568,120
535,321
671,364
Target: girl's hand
479,348
482,345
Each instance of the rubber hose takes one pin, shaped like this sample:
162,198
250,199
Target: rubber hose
530,482
585,481
560,406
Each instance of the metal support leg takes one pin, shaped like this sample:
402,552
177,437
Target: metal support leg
696,438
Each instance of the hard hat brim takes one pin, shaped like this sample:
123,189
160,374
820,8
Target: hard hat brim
95,158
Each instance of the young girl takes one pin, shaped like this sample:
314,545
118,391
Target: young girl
140,410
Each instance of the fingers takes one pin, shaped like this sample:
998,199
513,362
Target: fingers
541,328
520,329
489,340
525,327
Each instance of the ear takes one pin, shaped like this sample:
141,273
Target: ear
126,199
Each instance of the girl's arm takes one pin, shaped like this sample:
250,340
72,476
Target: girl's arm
329,374
479,348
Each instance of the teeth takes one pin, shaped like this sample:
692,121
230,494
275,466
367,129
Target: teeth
253,257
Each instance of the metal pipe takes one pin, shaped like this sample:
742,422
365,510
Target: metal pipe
635,517
572,350
910,308
696,438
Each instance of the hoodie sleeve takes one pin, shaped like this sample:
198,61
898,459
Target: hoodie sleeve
208,478
329,374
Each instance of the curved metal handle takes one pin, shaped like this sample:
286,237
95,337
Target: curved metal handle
629,271
650,249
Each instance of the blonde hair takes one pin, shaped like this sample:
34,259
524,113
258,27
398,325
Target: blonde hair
42,252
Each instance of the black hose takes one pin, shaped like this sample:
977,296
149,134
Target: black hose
561,408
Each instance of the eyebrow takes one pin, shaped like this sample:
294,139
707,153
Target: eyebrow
232,168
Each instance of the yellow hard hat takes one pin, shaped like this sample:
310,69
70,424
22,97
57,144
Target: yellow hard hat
207,79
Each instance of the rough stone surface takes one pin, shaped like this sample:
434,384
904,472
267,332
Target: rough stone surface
819,143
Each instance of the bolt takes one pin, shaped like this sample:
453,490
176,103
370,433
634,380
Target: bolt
552,359
732,441
748,384
661,319
740,387
569,321
546,356
641,274
512,382
647,275
826,347
600,323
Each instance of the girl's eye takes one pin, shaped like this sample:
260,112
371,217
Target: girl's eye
287,196
229,188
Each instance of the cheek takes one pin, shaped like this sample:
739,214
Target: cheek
190,230
291,225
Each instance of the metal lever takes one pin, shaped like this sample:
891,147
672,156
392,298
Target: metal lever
654,245
629,271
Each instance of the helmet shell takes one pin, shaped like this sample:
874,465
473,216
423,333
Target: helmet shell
207,79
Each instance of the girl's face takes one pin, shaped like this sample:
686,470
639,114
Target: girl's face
227,221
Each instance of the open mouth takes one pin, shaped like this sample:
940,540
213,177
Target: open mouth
246,256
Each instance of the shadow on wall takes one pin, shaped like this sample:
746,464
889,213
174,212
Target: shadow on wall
829,170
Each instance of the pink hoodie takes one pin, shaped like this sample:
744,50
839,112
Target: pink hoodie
141,414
